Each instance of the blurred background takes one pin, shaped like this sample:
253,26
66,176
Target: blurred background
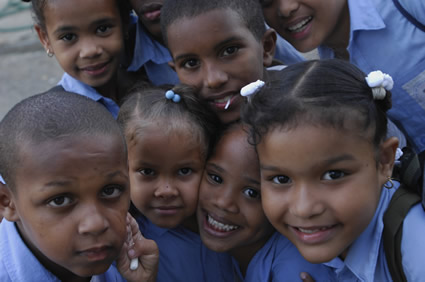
25,68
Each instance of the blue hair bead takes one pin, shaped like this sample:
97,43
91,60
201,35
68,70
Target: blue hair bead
176,98
169,94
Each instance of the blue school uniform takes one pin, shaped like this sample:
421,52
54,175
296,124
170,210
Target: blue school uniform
381,38
286,53
17,262
366,260
153,57
183,257
71,84
279,260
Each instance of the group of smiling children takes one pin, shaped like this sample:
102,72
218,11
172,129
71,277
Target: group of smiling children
288,182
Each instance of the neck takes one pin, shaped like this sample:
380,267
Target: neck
109,90
244,254
340,36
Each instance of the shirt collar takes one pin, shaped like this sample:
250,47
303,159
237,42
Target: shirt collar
71,84
364,16
147,49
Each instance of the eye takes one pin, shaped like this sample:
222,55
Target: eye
190,64
68,37
147,172
252,193
230,51
103,29
215,178
281,179
333,174
113,191
60,201
185,171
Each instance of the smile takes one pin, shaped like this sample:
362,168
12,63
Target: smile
220,226
311,231
301,25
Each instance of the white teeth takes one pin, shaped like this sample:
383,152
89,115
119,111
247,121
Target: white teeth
311,231
298,27
225,99
221,226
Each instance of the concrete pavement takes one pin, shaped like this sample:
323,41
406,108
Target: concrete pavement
25,68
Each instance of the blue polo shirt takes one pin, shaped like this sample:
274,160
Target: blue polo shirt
183,257
153,57
71,84
381,38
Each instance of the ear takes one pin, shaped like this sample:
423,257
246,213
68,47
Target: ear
44,38
386,159
172,65
269,46
7,204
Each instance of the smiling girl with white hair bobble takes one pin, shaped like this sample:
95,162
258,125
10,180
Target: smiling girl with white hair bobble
326,166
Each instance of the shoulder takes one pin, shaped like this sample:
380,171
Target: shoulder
413,244
415,8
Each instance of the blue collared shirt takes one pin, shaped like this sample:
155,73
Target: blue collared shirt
381,38
279,260
366,260
17,262
183,257
71,84
154,57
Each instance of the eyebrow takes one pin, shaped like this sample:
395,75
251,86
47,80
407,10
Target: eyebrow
217,47
326,162
219,168
68,28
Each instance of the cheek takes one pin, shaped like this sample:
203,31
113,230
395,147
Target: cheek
274,205
140,194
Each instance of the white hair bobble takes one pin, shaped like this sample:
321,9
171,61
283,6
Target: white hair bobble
252,88
379,82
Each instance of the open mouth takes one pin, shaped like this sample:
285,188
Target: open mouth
152,12
312,231
300,26
219,226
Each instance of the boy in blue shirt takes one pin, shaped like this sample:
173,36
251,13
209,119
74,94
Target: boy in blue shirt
65,203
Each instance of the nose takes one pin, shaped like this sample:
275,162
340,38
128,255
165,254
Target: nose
93,221
305,202
89,48
166,189
225,200
287,8
214,76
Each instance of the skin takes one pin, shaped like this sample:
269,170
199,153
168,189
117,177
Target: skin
149,12
217,54
165,173
328,22
230,215
87,40
326,182
70,203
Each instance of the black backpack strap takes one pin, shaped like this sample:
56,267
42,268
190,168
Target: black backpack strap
400,204
408,16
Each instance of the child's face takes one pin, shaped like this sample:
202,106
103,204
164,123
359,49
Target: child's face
71,200
230,215
217,54
86,38
321,186
306,24
149,12
165,172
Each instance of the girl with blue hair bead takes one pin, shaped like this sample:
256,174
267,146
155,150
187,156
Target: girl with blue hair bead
168,134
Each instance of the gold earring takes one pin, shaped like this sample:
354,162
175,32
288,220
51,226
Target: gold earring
49,53
389,184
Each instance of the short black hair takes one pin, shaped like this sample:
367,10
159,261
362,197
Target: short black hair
40,19
320,92
249,11
147,105
52,115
